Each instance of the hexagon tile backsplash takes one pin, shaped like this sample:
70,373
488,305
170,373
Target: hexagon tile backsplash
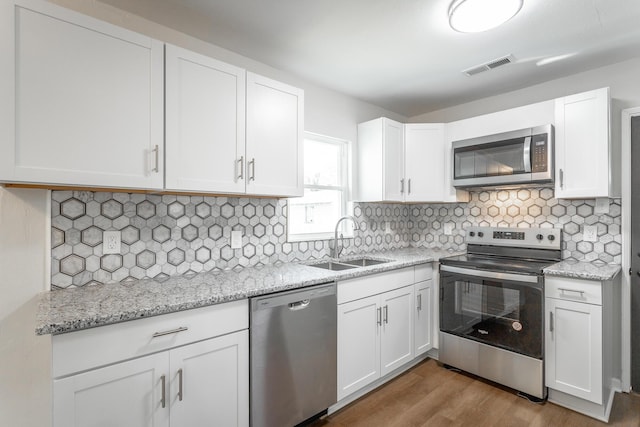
168,235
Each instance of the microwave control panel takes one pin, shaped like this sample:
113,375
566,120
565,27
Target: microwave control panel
539,153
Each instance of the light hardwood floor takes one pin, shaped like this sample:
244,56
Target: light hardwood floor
430,395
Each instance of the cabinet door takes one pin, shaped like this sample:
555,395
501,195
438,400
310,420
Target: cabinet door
574,348
210,382
127,394
424,162
205,127
396,339
275,125
423,315
82,100
395,185
582,145
358,344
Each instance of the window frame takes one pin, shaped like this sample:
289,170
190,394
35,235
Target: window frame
346,207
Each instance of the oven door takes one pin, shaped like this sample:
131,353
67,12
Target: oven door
503,310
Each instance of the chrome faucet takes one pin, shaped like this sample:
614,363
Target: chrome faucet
335,251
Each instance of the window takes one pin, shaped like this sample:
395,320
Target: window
326,190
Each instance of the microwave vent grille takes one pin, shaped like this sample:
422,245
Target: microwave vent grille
490,65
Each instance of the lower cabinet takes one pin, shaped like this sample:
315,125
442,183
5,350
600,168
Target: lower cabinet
384,322
202,383
581,359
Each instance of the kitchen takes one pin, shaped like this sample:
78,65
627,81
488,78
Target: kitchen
27,253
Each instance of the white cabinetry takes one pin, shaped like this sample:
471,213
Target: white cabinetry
583,145
81,101
203,382
275,126
205,123
400,162
579,344
424,318
379,324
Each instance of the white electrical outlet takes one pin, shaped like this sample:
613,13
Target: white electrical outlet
602,206
387,227
448,228
590,233
236,239
111,242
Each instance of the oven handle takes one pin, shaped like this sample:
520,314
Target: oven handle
490,274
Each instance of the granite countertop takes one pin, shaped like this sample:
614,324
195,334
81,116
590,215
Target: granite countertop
75,309
595,270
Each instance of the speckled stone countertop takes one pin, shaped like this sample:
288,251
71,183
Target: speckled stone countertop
75,309
583,270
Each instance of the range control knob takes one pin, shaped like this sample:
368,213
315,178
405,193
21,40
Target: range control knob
551,237
473,233
539,236
480,234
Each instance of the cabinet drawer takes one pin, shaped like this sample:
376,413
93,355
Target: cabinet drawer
423,272
362,287
589,291
91,348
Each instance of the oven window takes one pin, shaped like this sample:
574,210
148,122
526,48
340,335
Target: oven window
508,315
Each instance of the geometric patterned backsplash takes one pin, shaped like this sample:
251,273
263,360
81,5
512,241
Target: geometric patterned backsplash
166,235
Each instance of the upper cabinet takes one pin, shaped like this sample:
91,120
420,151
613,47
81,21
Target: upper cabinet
275,127
583,145
205,123
401,162
81,100
86,104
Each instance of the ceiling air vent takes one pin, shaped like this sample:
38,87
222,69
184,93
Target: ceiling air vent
499,62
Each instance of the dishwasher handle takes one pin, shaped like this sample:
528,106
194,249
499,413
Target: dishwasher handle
299,305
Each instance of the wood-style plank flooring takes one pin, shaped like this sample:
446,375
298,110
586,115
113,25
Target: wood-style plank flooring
430,395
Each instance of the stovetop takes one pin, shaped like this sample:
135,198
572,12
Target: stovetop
498,263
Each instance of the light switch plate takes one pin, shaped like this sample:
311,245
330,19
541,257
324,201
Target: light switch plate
590,233
111,242
236,239
602,206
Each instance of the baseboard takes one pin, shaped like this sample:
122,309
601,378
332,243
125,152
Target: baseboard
374,385
593,410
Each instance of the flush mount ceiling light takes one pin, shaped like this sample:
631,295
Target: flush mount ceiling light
474,16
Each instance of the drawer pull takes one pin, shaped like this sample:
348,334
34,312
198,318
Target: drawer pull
563,290
172,331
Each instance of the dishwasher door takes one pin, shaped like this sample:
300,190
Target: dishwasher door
293,355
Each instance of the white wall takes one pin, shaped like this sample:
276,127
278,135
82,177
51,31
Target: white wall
25,359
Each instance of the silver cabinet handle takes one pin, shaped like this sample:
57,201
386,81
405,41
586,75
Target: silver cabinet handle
241,163
252,177
379,312
563,290
172,331
409,186
156,152
386,314
163,400
180,385
551,321
419,301
561,178
401,186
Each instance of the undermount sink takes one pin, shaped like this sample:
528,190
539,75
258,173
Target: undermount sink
335,266
364,262
348,264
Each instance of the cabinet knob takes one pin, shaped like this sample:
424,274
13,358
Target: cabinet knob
480,234
539,236
551,237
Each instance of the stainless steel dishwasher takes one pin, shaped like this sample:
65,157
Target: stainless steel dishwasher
293,355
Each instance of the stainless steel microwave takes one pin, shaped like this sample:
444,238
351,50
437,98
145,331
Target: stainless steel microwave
521,157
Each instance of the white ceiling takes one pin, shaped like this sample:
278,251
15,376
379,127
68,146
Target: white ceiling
401,54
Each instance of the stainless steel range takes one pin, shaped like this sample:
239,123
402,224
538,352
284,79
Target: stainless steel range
492,305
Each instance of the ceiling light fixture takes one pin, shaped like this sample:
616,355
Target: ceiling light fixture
474,16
